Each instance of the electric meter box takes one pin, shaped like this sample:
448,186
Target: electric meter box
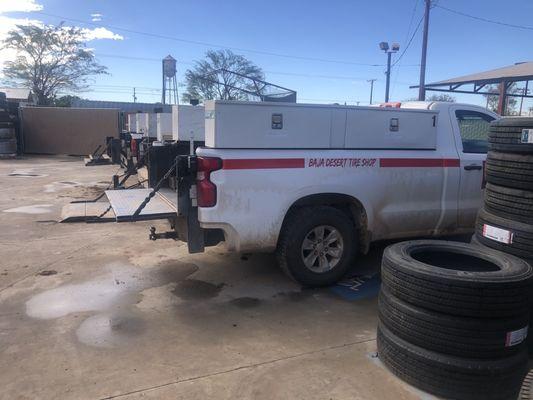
258,125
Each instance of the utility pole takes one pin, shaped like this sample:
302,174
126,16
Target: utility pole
394,48
422,84
387,87
371,88
524,93
134,96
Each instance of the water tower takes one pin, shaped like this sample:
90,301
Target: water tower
170,85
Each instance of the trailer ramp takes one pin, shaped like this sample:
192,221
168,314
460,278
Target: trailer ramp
121,207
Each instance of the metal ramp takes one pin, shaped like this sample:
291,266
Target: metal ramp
121,207
124,203
87,212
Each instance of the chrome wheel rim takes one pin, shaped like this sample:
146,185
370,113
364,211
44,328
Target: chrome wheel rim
322,248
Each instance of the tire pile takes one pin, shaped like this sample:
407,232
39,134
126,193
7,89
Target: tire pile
506,221
453,318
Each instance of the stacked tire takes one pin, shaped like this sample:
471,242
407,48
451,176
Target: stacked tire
8,140
506,221
453,318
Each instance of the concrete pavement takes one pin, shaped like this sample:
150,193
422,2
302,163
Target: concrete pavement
97,311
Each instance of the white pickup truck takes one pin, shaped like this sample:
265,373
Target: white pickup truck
318,184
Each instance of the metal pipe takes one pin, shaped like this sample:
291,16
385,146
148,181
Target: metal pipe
389,55
422,86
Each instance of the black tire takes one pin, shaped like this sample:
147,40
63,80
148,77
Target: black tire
510,170
522,234
526,391
443,278
514,204
7,133
451,335
506,135
451,377
298,224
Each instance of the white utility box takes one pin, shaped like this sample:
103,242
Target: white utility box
132,123
147,124
188,121
164,126
236,124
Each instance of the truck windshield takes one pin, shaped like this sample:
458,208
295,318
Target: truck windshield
474,129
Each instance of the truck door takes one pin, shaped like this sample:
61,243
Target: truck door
471,129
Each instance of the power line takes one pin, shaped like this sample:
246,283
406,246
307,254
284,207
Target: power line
413,13
409,43
490,21
339,77
200,43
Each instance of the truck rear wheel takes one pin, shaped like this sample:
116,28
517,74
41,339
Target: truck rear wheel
317,245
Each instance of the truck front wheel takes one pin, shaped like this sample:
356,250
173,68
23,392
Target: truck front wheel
317,245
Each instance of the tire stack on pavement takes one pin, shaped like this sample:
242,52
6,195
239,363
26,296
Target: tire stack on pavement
506,221
453,318
8,140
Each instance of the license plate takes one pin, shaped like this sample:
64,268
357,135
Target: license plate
497,234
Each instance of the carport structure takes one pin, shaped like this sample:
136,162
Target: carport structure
476,83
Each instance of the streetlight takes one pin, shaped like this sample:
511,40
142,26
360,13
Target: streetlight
394,48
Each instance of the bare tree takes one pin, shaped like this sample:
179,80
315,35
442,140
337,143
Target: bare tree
493,99
210,79
50,59
441,97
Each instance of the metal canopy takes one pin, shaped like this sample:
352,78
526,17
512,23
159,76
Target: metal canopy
255,88
504,77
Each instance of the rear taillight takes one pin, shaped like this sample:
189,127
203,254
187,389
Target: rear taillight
207,190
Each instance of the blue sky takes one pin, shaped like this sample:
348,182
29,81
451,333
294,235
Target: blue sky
344,32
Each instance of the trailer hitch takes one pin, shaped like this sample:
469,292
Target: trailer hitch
164,235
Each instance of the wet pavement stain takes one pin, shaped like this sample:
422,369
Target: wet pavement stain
192,289
23,174
47,272
112,298
301,295
110,329
170,271
245,302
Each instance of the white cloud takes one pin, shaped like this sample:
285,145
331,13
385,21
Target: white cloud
100,33
9,23
96,17
19,6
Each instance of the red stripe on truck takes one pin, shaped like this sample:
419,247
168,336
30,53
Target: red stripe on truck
263,163
272,163
418,162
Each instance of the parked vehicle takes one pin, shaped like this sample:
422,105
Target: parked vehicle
318,183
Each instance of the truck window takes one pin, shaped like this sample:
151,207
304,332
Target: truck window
474,129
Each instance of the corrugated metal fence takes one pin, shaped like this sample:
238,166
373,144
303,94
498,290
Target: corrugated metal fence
58,130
